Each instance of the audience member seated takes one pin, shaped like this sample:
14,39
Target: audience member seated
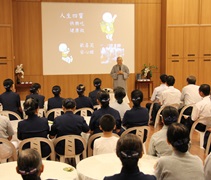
137,116
6,131
103,99
207,167
10,100
170,96
33,126
119,105
158,145
106,143
190,95
129,150
202,109
181,164
68,124
35,90
83,101
29,164
54,102
93,94
156,95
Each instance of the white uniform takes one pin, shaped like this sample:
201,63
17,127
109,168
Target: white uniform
157,92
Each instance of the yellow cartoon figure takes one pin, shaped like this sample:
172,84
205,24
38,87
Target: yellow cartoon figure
65,51
107,25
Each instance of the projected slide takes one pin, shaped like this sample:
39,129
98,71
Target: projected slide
85,38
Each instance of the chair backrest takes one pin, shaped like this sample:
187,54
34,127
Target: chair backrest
182,112
91,140
13,155
41,112
207,150
56,111
35,143
96,107
8,113
69,149
140,132
84,111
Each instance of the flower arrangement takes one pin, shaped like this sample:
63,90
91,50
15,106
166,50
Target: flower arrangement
19,71
147,70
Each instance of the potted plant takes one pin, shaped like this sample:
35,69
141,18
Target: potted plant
146,72
19,73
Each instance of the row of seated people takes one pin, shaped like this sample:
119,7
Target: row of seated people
195,98
129,149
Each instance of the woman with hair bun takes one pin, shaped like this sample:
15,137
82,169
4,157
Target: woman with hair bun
103,99
68,124
137,116
82,101
158,145
35,90
93,94
33,126
181,164
54,102
129,150
10,100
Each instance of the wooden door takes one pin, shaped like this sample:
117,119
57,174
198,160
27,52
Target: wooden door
175,42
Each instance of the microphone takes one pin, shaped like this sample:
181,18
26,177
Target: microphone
120,68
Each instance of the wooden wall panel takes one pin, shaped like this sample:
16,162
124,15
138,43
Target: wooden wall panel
6,12
28,45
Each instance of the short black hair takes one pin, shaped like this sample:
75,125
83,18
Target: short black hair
163,78
170,80
107,122
205,89
119,94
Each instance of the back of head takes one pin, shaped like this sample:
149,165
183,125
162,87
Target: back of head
68,103
136,97
56,90
191,80
107,123
97,83
178,137
170,80
29,164
8,84
205,89
119,94
104,98
170,115
80,89
34,88
30,106
163,78
129,149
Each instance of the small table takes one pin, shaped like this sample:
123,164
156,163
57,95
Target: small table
99,166
52,170
143,82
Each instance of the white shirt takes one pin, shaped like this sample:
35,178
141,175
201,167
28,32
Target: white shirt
170,96
202,109
158,145
122,108
157,92
104,145
190,94
207,167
